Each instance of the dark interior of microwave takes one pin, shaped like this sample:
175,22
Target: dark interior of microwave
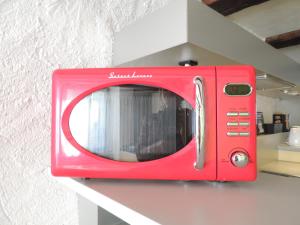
133,123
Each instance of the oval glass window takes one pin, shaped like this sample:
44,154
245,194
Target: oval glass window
132,123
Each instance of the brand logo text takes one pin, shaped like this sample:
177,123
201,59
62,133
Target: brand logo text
113,75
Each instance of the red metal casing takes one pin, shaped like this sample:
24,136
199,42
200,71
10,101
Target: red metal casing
68,158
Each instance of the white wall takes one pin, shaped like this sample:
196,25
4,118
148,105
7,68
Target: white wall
292,107
269,106
266,105
37,37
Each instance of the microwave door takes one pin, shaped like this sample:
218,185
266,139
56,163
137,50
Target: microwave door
134,123
139,123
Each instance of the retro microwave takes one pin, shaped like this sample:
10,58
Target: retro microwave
171,123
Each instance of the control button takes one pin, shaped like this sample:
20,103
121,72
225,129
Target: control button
239,159
244,124
232,124
232,114
245,134
244,114
232,134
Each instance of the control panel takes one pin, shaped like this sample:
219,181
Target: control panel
238,124
236,133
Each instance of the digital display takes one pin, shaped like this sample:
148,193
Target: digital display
237,89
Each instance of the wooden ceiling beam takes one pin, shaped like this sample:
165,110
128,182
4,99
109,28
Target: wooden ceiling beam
227,7
284,40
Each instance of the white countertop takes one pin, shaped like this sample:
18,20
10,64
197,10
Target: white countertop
271,200
282,167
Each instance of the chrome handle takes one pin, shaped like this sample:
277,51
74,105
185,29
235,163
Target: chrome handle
200,123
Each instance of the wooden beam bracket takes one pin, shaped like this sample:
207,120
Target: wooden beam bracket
284,40
227,7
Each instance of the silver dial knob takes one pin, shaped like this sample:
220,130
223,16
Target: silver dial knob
239,159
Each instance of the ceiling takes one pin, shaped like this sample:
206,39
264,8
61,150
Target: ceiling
265,18
271,18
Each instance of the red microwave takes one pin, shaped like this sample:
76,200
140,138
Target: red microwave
172,123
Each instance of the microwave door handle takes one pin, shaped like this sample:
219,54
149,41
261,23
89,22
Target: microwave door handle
200,123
